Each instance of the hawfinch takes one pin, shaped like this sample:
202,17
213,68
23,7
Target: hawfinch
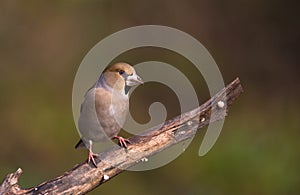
105,106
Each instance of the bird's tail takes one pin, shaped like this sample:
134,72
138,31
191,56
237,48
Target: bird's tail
80,144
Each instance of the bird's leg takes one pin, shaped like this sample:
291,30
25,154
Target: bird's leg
122,141
92,155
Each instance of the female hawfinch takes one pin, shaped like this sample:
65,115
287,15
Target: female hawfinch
105,106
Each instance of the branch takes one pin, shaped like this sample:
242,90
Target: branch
83,177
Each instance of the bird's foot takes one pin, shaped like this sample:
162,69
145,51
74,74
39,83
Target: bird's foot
122,141
91,158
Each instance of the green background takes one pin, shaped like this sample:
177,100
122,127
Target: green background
43,42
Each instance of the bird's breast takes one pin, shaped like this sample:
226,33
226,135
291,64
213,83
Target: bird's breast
102,114
111,111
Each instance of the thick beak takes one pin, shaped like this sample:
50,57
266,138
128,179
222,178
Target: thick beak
133,80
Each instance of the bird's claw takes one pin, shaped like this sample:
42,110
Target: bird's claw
122,141
91,158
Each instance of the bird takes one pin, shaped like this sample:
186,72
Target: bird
105,107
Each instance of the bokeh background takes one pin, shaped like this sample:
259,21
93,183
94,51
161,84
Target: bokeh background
43,42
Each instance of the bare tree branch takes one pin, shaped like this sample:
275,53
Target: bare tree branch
84,177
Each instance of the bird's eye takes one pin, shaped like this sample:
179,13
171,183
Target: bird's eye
121,72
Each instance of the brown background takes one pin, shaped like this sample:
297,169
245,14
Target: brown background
42,44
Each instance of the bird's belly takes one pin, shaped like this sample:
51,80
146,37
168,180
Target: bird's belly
112,120
101,124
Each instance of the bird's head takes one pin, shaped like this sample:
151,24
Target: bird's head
121,75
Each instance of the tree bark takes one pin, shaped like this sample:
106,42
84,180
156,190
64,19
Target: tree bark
84,177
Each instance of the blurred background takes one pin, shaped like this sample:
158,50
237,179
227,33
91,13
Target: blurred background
42,44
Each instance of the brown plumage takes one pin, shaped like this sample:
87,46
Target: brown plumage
105,106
